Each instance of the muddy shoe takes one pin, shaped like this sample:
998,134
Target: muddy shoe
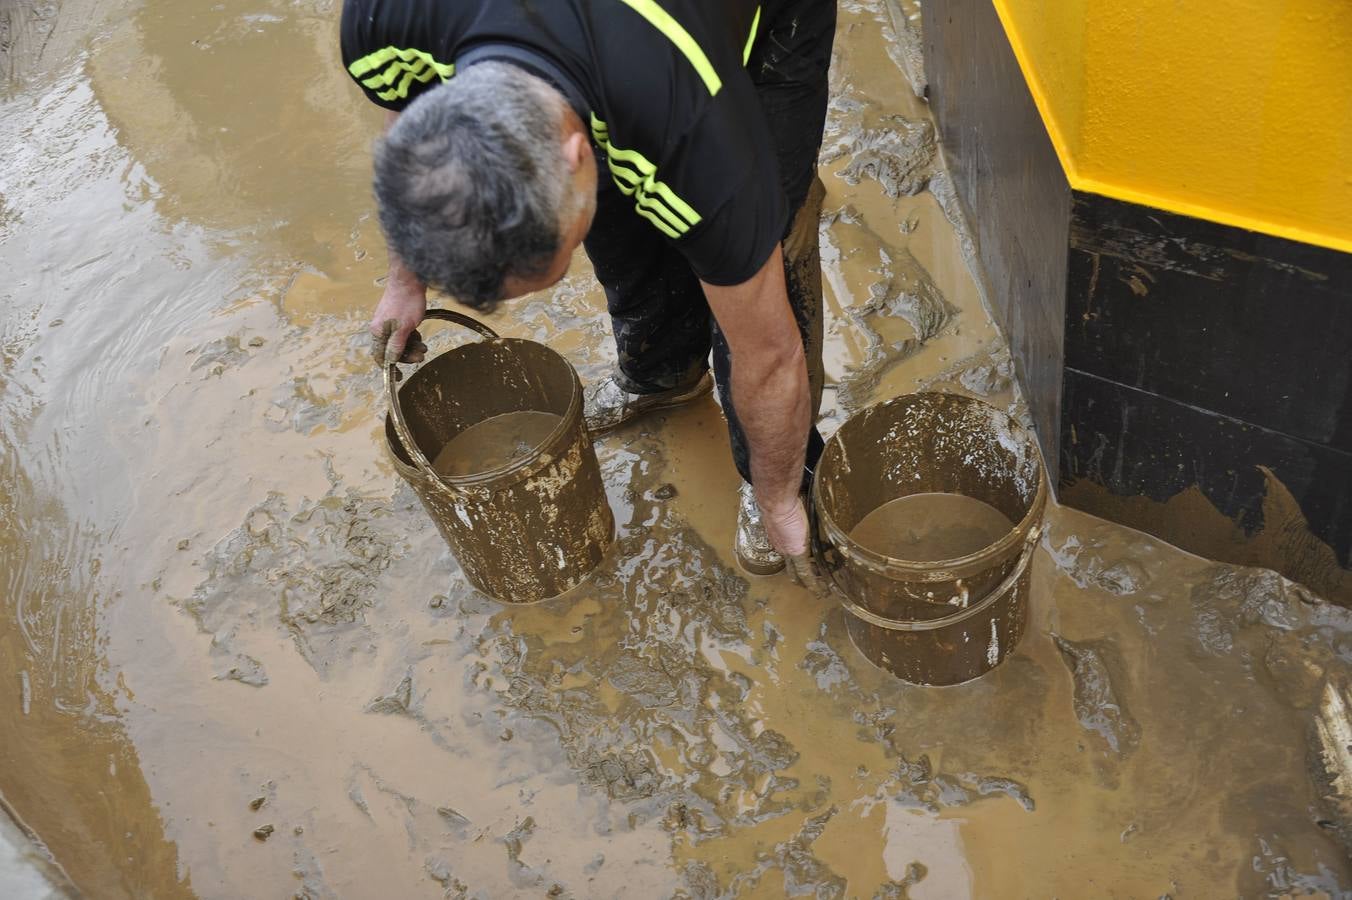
751,545
607,405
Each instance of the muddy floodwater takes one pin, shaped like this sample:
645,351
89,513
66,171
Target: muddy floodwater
931,526
495,442
237,660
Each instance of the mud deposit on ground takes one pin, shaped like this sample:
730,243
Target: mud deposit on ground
240,662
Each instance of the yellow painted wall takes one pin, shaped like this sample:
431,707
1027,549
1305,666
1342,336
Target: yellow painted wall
1239,111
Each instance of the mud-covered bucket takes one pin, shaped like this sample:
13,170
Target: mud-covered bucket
523,528
930,621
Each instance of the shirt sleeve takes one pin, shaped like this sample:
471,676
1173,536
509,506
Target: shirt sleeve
712,188
727,165
732,244
389,73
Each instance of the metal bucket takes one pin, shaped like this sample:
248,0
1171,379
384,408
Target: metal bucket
933,622
531,528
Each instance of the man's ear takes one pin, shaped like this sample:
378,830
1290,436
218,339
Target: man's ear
576,147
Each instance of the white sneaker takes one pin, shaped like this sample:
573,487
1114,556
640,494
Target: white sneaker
751,545
606,405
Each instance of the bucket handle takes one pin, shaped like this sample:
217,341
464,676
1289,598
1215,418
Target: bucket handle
826,570
392,376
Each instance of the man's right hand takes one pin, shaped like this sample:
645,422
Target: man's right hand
394,324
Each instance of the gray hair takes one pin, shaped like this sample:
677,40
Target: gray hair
471,180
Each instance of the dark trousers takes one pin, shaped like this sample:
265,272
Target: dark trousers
663,328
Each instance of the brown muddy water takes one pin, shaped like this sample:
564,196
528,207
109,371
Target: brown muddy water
931,526
495,442
241,663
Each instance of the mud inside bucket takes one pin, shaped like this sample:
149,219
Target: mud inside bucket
524,511
933,621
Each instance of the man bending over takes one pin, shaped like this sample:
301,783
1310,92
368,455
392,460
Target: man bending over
677,141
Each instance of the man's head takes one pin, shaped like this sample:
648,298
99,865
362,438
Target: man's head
486,185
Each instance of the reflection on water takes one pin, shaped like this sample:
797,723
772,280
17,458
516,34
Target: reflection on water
242,663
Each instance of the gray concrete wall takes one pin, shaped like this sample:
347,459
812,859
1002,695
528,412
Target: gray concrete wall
1015,195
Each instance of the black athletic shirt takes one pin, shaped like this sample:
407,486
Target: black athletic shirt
669,101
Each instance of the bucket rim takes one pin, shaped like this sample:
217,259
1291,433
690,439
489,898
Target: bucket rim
937,569
478,479
993,596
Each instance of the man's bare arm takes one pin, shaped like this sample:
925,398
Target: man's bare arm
770,391
401,308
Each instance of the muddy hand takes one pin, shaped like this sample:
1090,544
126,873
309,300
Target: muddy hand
787,528
395,321
391,344
788,532
803,570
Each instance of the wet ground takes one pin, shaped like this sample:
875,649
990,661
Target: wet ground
241,663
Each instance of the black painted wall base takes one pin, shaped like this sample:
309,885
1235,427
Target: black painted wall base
1206,359
1190,379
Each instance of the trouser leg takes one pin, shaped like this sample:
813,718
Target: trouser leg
802,277
789,66
658,312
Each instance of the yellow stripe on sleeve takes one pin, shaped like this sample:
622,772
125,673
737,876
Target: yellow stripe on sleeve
389,65
661,226
636,177
401,91
392,72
